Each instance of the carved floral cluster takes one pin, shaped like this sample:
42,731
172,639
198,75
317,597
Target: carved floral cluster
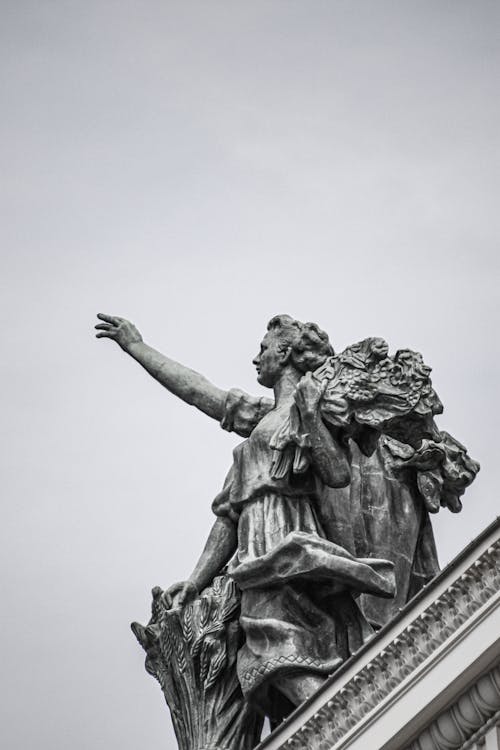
368,393
366,385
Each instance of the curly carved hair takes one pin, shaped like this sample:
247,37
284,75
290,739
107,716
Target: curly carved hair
310,345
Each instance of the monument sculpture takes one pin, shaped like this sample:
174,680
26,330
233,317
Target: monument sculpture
321,528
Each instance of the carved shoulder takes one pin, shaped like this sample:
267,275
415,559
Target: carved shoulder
242,412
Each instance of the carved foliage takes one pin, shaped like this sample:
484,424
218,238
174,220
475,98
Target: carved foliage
192,653
364,383
367,393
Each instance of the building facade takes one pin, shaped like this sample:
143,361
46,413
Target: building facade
429,680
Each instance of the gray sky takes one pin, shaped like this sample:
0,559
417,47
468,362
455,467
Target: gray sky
198,167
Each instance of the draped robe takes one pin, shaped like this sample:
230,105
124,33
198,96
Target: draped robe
379,515
298,608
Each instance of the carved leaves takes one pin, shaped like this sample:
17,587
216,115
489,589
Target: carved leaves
192,652
368,393
366,385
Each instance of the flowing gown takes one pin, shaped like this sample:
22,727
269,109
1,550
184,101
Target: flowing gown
380,514
298,608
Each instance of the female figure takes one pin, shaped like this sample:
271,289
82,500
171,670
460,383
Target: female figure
298,613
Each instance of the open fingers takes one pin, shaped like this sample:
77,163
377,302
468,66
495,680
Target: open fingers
113,319
110,334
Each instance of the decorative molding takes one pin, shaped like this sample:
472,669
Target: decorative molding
402,657
479,737
467,720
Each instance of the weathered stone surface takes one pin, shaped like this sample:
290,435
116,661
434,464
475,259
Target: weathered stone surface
192,653
312,557
428,681
467,720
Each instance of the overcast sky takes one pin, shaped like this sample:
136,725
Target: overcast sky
199,167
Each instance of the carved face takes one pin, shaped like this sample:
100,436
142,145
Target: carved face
270,361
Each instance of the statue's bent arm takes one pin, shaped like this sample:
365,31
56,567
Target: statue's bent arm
219,548
328,457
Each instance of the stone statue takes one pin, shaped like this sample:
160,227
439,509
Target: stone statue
291,530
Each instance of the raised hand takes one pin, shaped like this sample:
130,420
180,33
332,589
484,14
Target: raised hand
120,330
179,594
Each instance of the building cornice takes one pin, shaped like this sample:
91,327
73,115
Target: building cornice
399,655
467,720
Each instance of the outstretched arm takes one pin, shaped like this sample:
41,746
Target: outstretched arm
328,458
183,382
220,547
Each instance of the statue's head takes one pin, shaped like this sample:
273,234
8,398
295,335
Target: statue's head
290,343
